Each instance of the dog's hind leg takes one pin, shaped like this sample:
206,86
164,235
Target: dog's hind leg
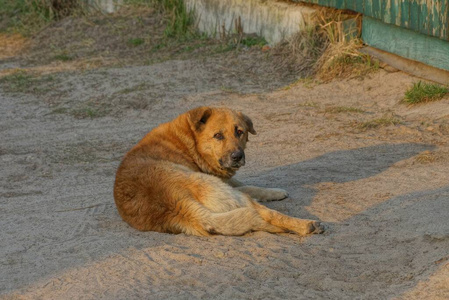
239,221
212,207
234,222
299,226
192,218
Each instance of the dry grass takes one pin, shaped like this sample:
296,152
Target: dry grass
301,52
341,58
11,44
386,120
326,50
427,157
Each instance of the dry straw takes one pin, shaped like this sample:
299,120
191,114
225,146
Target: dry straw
326,48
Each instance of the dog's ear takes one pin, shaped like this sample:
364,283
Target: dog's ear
248,122
198,117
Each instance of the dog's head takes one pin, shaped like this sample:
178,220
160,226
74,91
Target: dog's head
221,135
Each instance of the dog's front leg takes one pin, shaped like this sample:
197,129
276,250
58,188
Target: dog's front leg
259,193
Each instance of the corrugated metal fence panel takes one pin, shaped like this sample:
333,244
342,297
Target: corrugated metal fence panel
406,43
429,17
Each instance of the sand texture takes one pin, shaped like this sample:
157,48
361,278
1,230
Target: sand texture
383,190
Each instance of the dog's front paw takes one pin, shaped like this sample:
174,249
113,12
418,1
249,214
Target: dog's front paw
274,194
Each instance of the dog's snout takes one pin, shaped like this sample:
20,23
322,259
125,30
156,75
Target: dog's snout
237,155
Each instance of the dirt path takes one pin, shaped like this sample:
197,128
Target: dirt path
381,186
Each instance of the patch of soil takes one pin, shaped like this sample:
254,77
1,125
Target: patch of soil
135,36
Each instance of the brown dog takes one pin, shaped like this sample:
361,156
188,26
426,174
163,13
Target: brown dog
177,179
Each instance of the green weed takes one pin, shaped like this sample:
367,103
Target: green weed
343,109
158,47
23,82
425,92
139,87
63,57
221,48
17,81
227,89
135,42
253,41
179,21
88,112
29,16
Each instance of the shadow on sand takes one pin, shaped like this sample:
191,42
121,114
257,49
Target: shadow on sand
339,166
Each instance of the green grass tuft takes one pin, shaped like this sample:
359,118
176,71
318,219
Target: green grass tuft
88,112
63,57
24,82
30,16
180,21
253,41
222,48
343,109
425,92
17,81
135,42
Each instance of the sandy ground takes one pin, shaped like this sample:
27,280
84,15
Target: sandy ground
383,191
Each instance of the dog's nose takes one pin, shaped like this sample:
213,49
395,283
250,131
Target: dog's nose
237,155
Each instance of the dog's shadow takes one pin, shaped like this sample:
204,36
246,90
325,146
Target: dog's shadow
339,167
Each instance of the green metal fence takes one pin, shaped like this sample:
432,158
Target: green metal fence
430,17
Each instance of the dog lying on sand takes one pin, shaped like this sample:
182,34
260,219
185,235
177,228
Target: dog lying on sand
178,179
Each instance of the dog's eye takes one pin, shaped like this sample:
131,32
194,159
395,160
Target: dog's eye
239,132
218,136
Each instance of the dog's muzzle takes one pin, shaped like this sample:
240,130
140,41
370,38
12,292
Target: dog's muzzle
234,160
238,156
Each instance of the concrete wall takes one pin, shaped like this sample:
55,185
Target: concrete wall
107,6
273,20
